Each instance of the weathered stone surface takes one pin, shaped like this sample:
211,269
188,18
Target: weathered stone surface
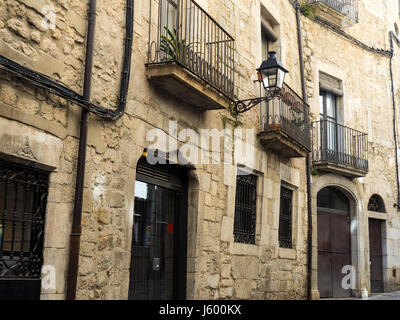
37,128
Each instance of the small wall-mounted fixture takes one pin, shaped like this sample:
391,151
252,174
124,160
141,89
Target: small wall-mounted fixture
272,75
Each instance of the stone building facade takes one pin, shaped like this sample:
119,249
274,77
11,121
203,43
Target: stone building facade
346,57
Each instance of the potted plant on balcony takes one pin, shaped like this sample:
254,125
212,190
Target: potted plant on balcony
173,47
274,127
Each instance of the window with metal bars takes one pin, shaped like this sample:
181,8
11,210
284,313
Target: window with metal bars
23,199
285,219
245,209
376,204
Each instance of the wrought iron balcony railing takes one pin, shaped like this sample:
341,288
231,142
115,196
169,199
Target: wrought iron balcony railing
288,114
340,145
182,32
348,8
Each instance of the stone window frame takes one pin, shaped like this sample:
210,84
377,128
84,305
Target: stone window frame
236,248
271,27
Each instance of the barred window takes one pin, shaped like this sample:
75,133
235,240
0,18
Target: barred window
245,209
285,218
23,198
376,204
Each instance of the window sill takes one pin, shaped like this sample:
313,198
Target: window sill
244,249
289,254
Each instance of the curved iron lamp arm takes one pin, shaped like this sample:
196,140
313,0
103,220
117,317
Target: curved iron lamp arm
242,106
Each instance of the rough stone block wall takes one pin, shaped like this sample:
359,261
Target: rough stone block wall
218,268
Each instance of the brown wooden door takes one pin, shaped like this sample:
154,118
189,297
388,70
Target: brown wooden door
375,252
334,252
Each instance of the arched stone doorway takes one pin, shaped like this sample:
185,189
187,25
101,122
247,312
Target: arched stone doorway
334,242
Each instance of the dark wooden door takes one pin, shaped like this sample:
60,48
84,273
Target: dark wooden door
375,251
334,252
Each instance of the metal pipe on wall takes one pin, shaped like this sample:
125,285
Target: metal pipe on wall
308,159
393,39
43,81
75,239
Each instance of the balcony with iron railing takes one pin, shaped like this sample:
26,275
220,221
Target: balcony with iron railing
339,12
285,126
339,149
190,54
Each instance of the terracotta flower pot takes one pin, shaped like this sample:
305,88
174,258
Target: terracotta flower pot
274,126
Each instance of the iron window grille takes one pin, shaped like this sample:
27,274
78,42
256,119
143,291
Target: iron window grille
245,209
285,219
23,199
376,204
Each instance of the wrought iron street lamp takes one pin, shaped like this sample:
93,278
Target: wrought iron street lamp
272,75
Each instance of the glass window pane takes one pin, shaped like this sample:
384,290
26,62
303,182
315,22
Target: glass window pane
331,105
321,105
331,135
140,190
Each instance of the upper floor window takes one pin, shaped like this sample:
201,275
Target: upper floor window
269,36
245,209
328,106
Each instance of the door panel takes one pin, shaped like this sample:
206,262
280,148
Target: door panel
339,260
324,275
334,252
323,232
375,245
340,233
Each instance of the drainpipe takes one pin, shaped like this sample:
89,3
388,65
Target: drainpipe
80,175
308,159
393,37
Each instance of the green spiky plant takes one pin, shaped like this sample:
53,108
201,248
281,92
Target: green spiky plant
307,9
172,46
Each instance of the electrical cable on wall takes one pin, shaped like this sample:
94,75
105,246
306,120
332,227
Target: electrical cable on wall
43,81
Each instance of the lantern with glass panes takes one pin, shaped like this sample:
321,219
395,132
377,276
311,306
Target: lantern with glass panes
271,74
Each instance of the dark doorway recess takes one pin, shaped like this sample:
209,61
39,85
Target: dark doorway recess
334,242
375,252
159,243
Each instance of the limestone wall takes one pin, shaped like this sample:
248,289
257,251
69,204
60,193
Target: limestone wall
367,106
218,268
